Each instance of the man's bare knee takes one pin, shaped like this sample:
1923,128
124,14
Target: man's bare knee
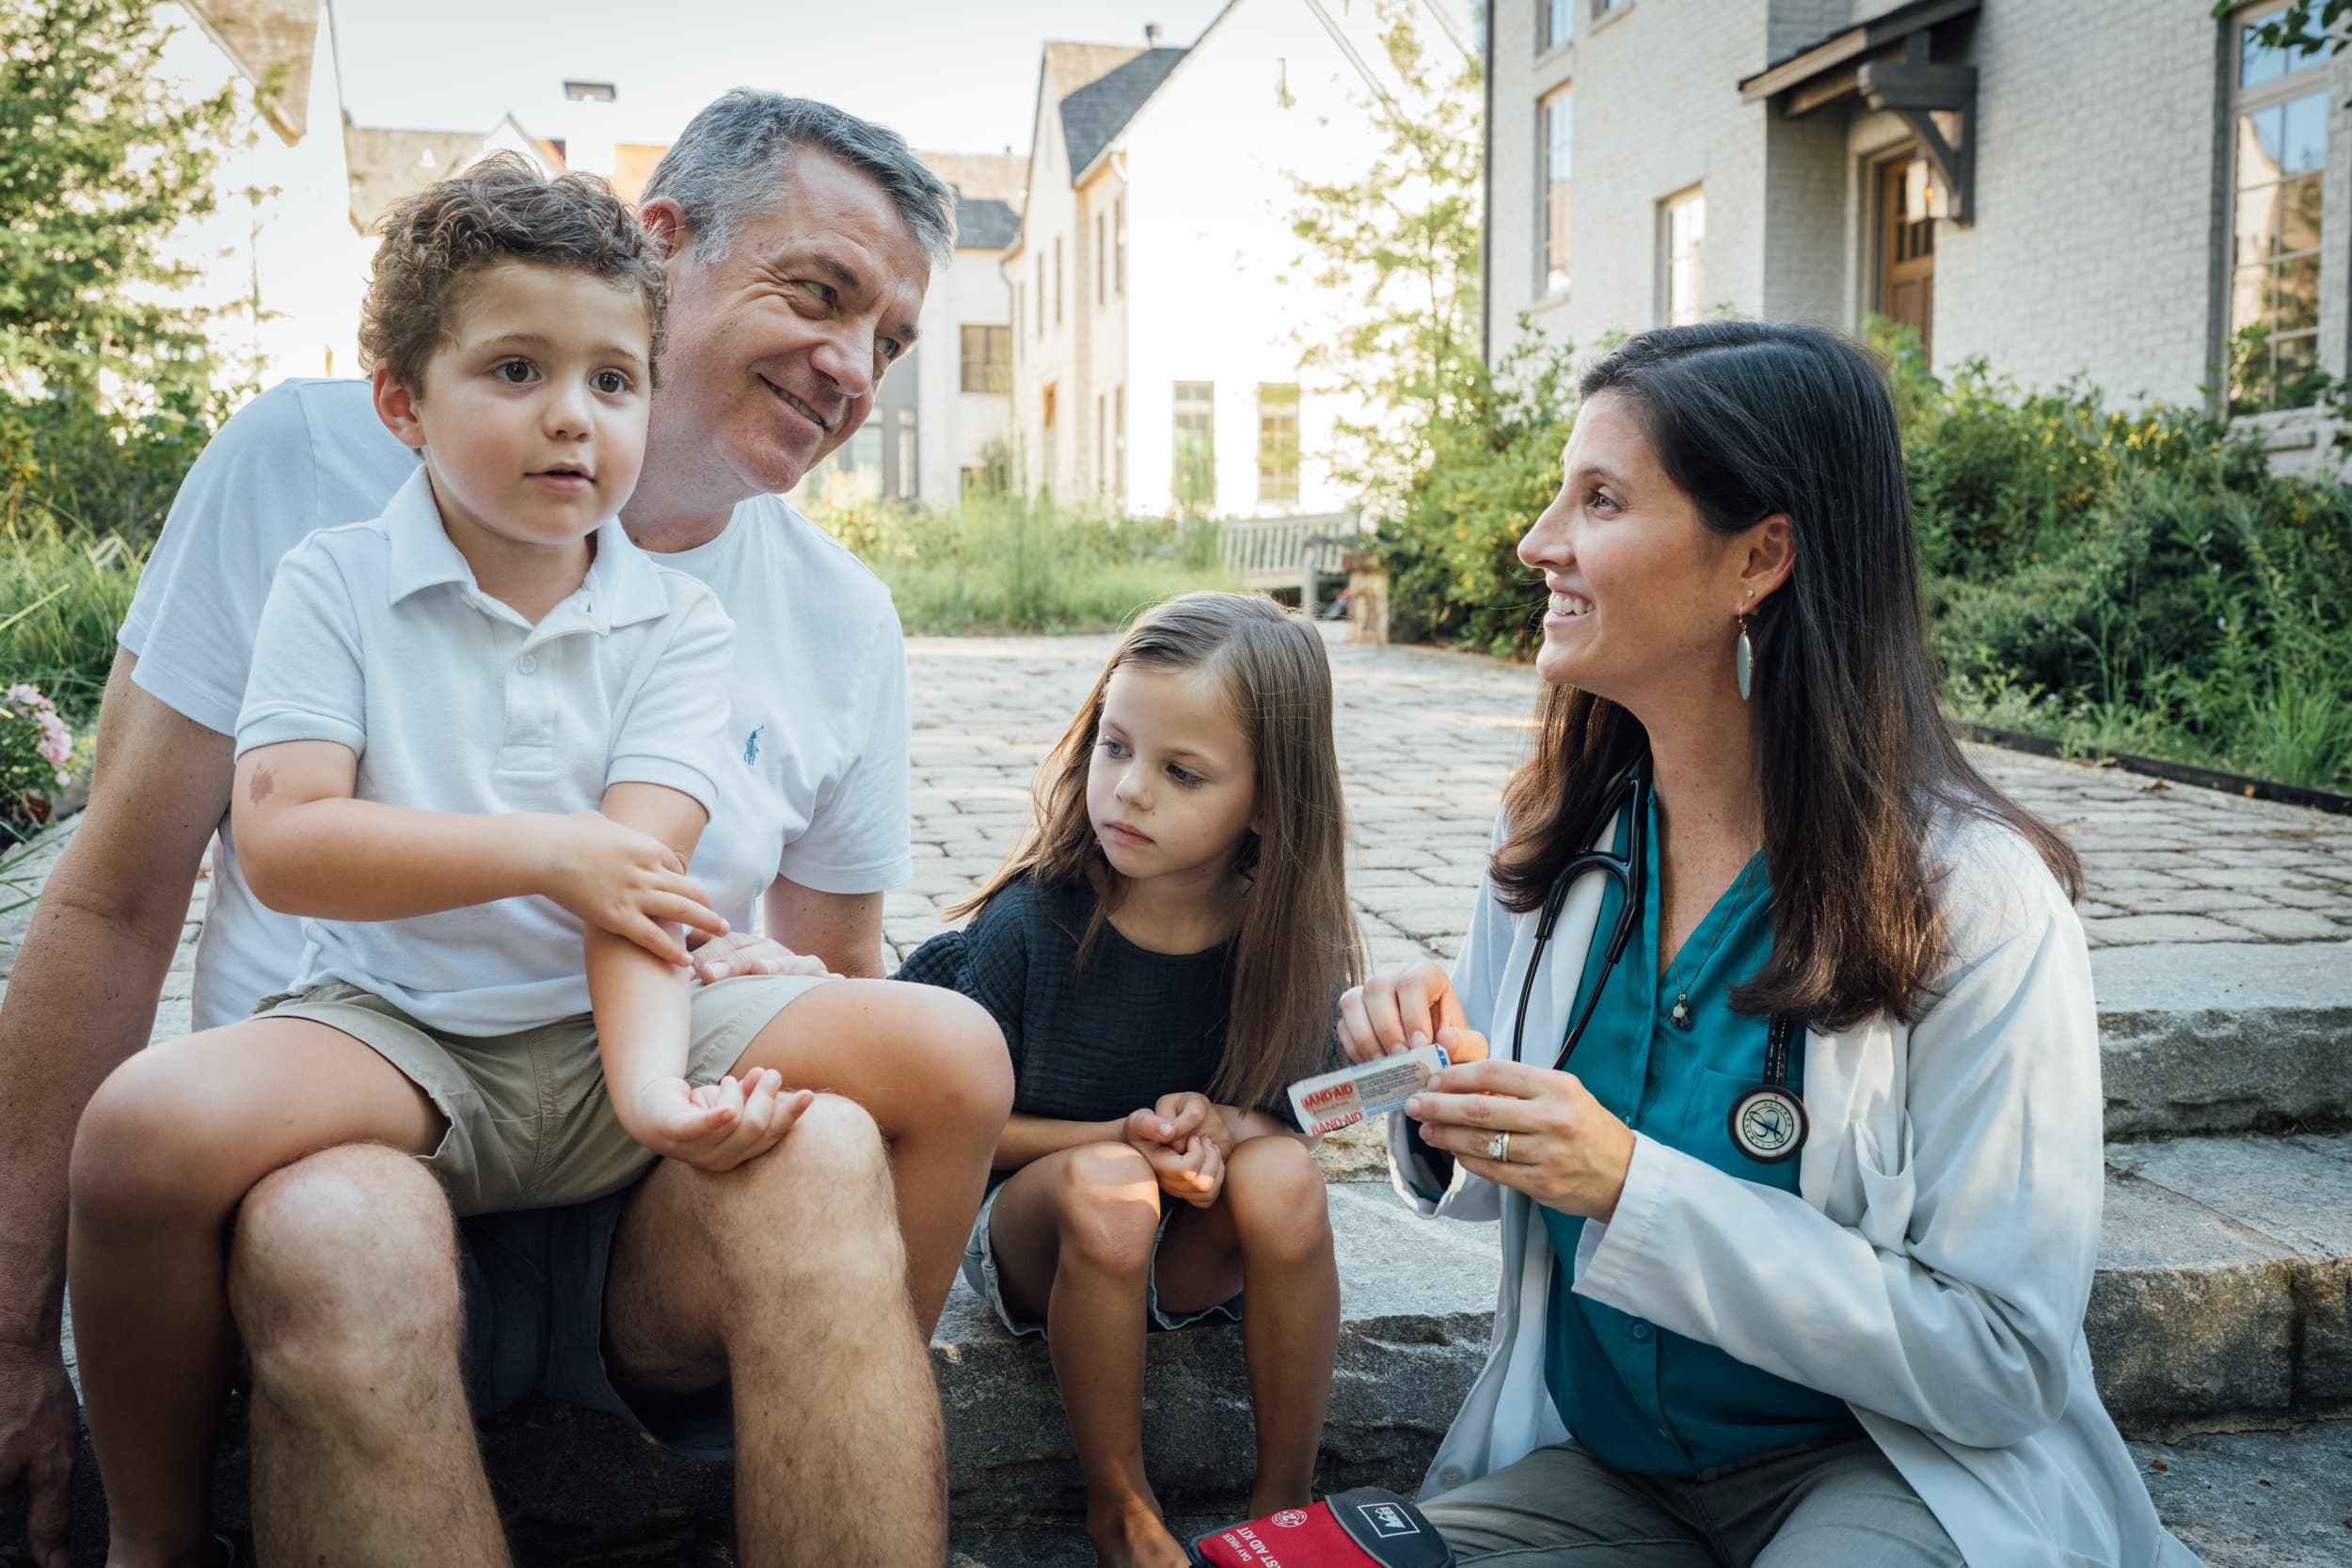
341,1262
818,1204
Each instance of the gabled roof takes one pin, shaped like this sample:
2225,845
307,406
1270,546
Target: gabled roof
388,166
1091,116
982,176
984,225
271,43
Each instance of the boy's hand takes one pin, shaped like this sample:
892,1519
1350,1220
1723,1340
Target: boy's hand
623,881
1193,1170
716,1127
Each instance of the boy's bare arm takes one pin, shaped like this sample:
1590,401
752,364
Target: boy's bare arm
309,848
643,1021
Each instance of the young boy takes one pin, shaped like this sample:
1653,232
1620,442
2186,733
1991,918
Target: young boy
477,747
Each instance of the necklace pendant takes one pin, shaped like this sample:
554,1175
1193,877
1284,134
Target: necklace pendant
1680,1017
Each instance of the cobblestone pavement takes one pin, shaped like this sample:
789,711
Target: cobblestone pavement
1427,739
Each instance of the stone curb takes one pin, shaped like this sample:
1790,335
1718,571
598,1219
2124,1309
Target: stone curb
2224,1036
2220,1304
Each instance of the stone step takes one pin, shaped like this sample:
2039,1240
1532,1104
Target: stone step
2221,1302
2253,1500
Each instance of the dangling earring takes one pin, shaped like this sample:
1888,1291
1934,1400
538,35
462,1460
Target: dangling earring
1745,657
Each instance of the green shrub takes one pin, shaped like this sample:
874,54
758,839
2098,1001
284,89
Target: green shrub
2131,582
1014,564
62,598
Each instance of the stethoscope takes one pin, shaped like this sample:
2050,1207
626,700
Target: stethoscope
1768,1123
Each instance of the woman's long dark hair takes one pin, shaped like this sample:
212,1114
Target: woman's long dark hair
1855,761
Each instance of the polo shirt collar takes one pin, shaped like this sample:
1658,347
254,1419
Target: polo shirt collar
622,584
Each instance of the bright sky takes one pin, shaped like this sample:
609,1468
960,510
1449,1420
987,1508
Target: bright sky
951,75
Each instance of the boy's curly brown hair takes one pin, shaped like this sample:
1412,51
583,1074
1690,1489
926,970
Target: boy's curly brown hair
502,209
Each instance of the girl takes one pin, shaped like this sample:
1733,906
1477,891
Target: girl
1164,950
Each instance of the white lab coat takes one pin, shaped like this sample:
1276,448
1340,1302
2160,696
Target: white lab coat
1931,1269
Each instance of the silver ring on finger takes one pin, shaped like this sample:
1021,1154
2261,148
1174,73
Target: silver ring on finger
1499,1148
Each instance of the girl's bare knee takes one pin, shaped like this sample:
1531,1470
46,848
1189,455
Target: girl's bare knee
1106,1206
140,1147
1275,1193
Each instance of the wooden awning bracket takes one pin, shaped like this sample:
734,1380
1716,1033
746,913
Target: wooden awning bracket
1939,103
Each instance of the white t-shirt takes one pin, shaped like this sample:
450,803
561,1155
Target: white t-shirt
376,637
818,723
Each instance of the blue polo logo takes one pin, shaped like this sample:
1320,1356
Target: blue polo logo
751,746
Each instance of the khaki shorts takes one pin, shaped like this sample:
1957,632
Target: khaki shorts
529,1124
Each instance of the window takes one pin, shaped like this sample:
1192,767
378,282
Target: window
908,489
1195,480
1602,8
1040,295
1102,259
2279,141
1118,443
1119,247
1556,23
1683,240
988,358
1277,444
1558,154
1102,441
1057,280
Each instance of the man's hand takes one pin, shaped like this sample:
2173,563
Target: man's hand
38,1437
621,880
1175,1120
748,952
1193,1170
715,1127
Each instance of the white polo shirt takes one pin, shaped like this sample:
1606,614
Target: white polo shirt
376,637
814,788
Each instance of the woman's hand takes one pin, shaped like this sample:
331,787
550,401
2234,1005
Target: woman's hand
621,881
1393,1013
1566,1151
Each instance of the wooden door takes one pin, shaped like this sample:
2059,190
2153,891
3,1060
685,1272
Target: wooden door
1906,246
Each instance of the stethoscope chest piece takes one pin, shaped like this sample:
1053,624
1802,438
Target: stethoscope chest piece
1769,1124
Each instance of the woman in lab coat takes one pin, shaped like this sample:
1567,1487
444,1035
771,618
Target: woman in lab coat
1807,1294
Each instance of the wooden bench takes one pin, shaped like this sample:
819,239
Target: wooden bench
1289,552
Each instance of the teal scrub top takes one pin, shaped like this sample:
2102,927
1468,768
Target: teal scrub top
1639,1398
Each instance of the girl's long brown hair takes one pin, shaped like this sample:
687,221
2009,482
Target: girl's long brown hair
1856,761
1297,947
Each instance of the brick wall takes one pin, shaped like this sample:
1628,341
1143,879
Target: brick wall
2100,237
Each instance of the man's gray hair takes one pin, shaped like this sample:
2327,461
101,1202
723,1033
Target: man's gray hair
724,169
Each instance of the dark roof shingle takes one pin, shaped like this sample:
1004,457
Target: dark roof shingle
1100,110
984,225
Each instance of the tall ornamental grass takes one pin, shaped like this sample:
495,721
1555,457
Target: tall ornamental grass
1014,564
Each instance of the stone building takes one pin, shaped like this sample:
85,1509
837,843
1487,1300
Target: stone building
2131,191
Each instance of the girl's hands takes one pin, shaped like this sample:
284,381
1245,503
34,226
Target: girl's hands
621,881
1567,1152
1193,1170
1404,1011
715,1127
1176,1118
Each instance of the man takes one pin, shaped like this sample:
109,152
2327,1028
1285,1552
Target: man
799,242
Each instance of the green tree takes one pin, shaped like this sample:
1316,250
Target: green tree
2305,26
107,384
1400,242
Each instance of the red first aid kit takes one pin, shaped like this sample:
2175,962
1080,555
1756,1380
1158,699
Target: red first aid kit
1367,1528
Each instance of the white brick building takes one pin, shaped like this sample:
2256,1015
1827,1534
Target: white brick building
1160,303
1651,160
